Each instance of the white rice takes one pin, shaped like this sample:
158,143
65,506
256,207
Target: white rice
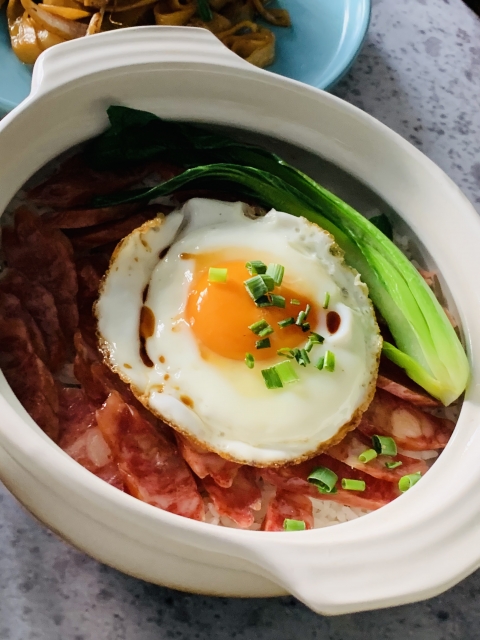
325,512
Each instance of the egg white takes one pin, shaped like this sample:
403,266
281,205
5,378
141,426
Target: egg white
217,401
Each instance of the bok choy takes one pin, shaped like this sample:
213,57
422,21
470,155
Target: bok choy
426,345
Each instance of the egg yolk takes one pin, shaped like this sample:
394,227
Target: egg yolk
219,315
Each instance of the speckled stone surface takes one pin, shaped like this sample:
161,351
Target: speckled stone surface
419,73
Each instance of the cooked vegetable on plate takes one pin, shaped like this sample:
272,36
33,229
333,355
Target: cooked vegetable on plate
205,327
36,26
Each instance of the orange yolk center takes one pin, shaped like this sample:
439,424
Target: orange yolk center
219,315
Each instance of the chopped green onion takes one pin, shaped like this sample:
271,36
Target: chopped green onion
264,343
264,301
329,363
286,322
287,352
256,327
293,525
300,319
324,479
384,445
307,311
313,338
294,301
269,283
393,465
278,301
326,300
321,363
256,287
271,378
367,455
217,275
286,372
249,360
406,482
301,356
305,356
256,267
305,327
276,271
266,332
353,485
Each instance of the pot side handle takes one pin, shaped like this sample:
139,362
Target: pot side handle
78,58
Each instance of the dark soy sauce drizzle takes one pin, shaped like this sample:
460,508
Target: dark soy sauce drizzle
333,322
146,329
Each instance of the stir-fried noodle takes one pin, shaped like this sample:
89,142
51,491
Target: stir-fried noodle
35,27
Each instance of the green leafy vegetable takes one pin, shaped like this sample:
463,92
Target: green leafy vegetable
427,347
204,11
384,224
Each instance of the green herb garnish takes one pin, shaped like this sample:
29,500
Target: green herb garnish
264,301
256,267
313,338
353,485
271,378
301,356
249,360
256,287
269,283
293,525
285,323
329,362
265,332
393,465
300,318
384,445
326,300
324,479
286,372
276,271
367,456
406,482
295,301
287,352
264,343
277,301
217,275
256,327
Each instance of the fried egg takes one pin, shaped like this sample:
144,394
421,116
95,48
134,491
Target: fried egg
180,339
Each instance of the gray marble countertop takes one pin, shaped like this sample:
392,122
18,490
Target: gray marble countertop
419,72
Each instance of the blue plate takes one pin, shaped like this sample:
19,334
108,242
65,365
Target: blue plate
318,49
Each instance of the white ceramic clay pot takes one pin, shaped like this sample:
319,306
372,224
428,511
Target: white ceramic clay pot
415,547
